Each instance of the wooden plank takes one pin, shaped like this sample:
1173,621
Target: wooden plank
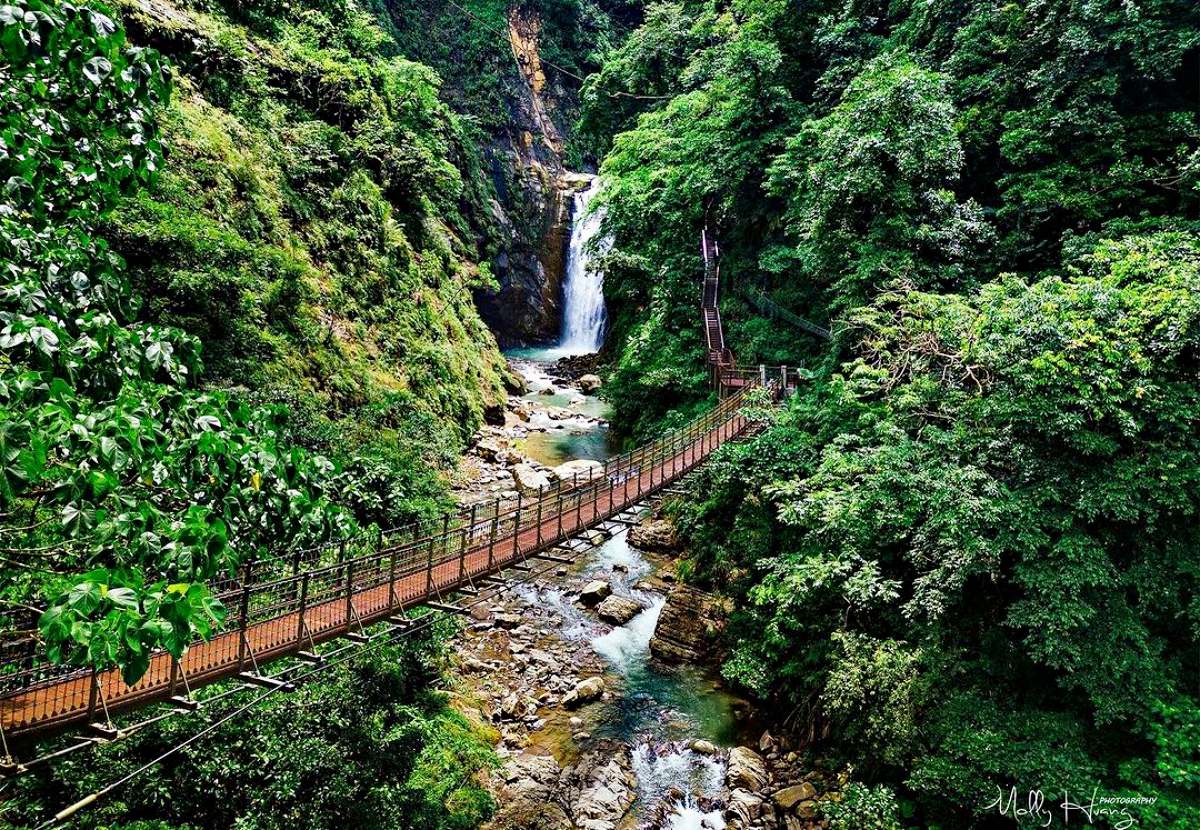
265,682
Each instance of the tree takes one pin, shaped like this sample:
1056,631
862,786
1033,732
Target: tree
125,488
870,187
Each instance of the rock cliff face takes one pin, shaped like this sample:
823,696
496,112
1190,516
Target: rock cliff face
490,60
688,626
533,200
533,212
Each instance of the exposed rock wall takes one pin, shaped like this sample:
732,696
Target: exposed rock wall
533,212
533,208
688,626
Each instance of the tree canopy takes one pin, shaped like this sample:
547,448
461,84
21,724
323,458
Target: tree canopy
965,555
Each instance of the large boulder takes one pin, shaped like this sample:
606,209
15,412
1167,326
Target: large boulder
688,626
744,807
594,592
585,691
789,797
529,479
509,621
654,534
490,447
600,789
581,470
618,610
589,383
527,797
746,769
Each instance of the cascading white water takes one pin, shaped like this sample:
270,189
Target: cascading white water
657,714
678,768
583,289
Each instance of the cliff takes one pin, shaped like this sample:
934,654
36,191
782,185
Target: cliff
497,70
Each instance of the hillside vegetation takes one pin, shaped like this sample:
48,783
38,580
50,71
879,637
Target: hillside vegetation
237,320
965,556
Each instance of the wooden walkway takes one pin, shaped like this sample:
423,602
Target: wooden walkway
291,614
288,606
724,373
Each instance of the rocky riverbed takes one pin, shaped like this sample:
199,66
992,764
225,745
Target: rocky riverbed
594,677
555,427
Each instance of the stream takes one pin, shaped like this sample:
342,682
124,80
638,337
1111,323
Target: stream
655,711
670,720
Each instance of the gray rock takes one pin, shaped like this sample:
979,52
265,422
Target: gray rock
589,383
585,691
746,769
527,799
594,592
480,614
490,448
654,534
618,610
508,621
687,627
581,470
511,707
789,797
603,789
744,806
529,480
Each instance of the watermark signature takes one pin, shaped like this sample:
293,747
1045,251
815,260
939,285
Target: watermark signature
1114,810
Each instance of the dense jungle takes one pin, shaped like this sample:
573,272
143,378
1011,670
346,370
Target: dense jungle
283,282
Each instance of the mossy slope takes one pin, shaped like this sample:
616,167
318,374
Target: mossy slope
317,222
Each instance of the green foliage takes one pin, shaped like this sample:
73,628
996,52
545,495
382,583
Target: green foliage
871,684
965,551
368,745
1018,465
309,240
868,188
863,808
112,462
319,223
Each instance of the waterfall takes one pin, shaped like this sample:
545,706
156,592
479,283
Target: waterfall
583,290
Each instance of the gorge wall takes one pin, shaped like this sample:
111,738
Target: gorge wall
494,66
533,205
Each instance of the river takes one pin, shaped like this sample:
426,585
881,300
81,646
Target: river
657,712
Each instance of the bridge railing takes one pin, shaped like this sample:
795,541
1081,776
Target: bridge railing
270,615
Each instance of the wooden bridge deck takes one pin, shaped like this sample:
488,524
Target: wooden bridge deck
290,615
285,609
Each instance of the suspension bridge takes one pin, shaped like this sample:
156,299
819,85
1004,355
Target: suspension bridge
286,607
